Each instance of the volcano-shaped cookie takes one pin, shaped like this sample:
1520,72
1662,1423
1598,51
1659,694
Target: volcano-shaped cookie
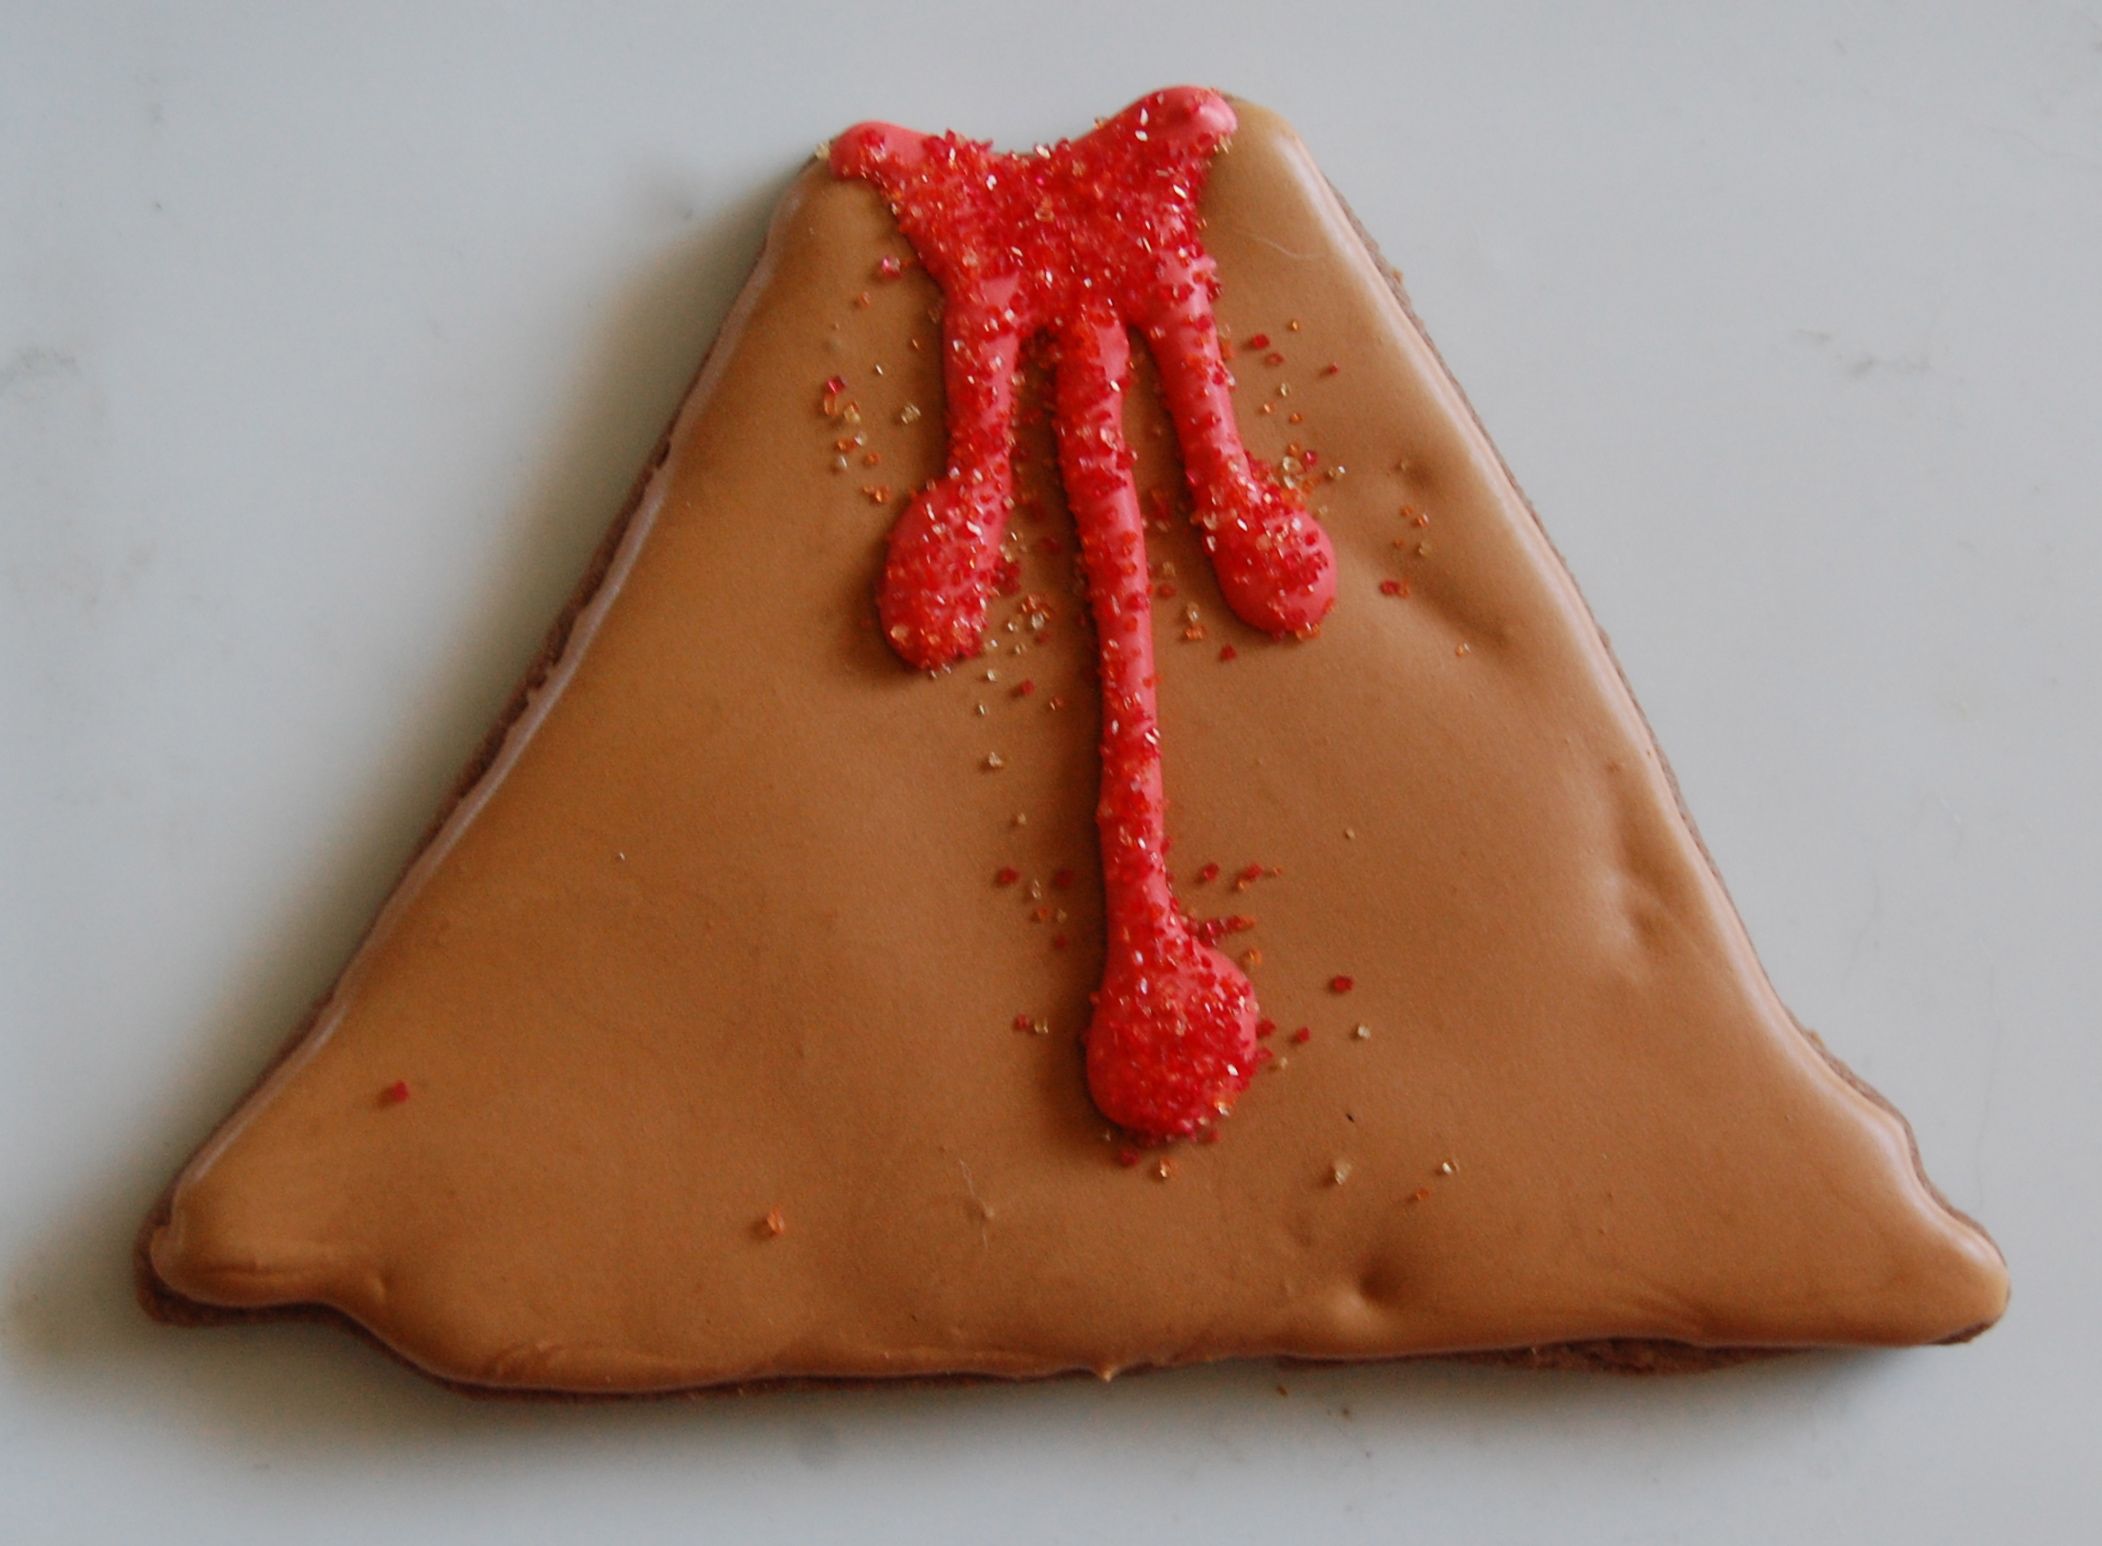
1265,926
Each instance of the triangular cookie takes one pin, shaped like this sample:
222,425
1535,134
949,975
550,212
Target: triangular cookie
728,1026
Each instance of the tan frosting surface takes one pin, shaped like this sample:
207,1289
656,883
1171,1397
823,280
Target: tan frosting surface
717,935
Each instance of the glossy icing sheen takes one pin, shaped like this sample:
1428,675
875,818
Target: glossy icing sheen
706,998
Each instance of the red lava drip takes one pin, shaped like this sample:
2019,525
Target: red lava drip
1085,240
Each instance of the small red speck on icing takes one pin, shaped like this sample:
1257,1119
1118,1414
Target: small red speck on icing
1341,984
1084,240
395,1093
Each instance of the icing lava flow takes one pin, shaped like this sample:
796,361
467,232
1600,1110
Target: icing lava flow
1087,241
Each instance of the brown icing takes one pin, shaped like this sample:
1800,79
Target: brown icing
715,934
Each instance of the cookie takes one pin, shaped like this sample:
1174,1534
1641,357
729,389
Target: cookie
1077,823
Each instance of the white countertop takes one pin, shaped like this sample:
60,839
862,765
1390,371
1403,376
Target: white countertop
331,337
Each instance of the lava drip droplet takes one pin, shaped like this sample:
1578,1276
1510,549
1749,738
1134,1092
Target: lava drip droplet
1171,1044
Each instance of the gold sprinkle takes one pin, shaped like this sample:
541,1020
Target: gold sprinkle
1021,818
1362,1033
909,414
994,761
1462,649
1447,1168
981,708
1163,1170
1339,1172
1351,833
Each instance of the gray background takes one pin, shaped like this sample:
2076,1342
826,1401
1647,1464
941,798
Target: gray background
330,338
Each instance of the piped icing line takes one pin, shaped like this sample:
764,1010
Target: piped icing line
1086,240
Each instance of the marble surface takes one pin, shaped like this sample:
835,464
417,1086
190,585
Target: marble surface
330,338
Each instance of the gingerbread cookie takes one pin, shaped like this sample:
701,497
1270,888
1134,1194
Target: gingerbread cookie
1077,823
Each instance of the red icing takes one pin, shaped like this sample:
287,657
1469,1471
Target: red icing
1084,240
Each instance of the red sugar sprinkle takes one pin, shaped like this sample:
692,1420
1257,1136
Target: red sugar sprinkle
1061,879
1341,984
1006,875
834,385
1228,652
1302,1036
1247,876
1273,358
1390,587
395,1093
889,268
1024,688
1208,874
1258,340
1331,369
1092,240
1265,1029
1128,1156
1025,1022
